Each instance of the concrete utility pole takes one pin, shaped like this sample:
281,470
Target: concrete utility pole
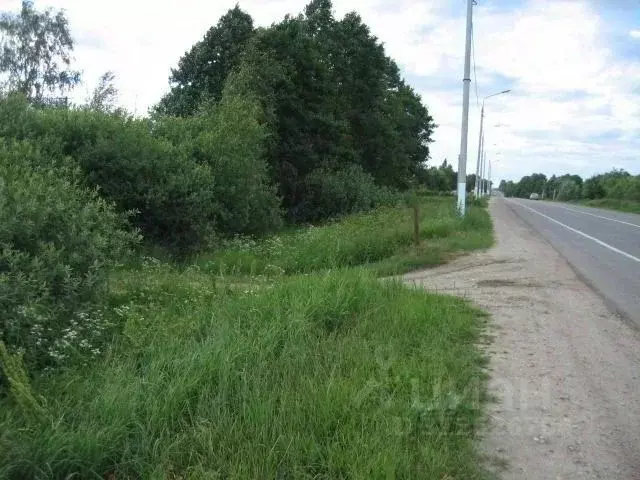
484,175
466,85
481,135
489,182
480,148
483,160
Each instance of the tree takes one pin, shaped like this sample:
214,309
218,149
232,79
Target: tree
592,188
569,189
35,52
471,182
105,94
450,176
202,72
330,97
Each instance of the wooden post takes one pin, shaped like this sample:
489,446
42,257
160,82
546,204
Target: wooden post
416,224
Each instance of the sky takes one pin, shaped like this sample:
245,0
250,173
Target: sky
573,68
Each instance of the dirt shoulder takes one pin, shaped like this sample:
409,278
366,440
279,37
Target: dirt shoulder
565,370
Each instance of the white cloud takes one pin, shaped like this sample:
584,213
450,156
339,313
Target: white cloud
568,83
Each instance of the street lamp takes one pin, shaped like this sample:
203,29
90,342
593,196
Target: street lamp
479,168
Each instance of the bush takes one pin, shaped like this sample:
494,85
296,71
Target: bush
329,194
57,242
186,178
172,194
228,139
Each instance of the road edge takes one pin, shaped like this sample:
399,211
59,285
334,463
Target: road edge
613,308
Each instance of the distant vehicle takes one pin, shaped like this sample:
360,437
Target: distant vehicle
534,196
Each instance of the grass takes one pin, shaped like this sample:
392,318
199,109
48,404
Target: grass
383,237
628,206
322,372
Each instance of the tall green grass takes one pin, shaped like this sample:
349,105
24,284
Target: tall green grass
334,375
283,358
628,206
383,235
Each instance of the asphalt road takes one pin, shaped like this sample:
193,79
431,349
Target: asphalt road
603,246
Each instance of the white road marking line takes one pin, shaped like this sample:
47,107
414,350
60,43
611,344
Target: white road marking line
594,215
599,242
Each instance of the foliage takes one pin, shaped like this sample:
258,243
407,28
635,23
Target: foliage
330,98
569,190
12,367
471,183
35,52
553,185
330,194
170,194
440,179
615,204
592,189
57,243
620,185
336,375
202,72
616,188
526,186
228,139
105,94
201,178
385,234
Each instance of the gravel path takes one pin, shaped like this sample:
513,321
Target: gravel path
565,371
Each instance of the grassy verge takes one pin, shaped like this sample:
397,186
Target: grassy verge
382,239
324,372
612,204
324,376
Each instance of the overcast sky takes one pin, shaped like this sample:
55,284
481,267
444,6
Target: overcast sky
573,67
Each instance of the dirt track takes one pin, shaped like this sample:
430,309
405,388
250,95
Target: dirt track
565,370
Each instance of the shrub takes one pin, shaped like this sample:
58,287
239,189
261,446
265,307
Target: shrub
329,194
228,139
172,194
186,178
57,242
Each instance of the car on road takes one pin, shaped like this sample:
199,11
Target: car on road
534,196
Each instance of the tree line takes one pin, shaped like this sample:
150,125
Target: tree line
615,185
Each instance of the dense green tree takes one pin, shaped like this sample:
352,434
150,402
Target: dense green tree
35,52
526,186
592,188
330,99
616,184
450,176
551,187
569,189
203,70
471,182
